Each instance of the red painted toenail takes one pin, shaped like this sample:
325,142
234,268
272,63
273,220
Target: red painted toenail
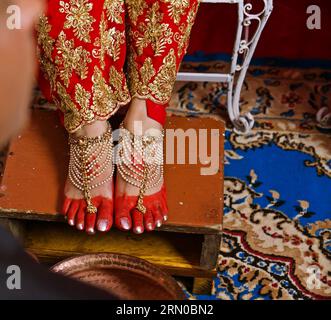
139,230
80,227
102,225
125,224
149,226
158,223
71,222
165,218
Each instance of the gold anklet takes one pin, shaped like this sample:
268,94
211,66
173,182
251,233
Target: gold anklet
140,162
90,158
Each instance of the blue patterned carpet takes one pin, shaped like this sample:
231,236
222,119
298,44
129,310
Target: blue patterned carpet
277,223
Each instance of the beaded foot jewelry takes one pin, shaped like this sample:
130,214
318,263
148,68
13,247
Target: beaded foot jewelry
140,162
89,159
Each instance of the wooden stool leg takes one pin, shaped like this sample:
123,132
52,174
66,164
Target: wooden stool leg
210,251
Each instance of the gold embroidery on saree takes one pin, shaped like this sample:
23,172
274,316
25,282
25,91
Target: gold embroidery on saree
163,83
183,36
176,9
45,50
140,80
115,10
135,9
103,95
44,40
71,59
78,18
49,71
118,81
72,117
83,97
153,32
147,72
109,42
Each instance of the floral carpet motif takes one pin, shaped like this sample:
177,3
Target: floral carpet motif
277,217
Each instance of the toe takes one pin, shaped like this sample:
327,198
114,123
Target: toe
149,221
65,206
72,212
164,210
123,219
138,221
90,219
105,215
158,217
80,217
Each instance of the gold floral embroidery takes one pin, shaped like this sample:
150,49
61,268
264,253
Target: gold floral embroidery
159,89
83,97
45,50
44,40
110,43
163,83
103,95
182,37
115,10
118,81
147,72
71,59
78,17
153,32
176,9
49,71
135,9
72,117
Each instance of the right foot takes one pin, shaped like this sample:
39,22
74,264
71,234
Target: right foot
152,211
75,206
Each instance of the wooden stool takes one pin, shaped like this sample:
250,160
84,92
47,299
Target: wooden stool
34,177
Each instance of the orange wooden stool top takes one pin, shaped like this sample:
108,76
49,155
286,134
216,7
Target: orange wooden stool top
36,169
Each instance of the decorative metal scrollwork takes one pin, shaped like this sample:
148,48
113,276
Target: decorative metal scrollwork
244,49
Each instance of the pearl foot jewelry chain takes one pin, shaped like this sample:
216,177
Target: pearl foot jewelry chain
140,161
89,159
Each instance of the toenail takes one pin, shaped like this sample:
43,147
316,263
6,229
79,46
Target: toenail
90,230
149,226
71,222
139,230
125,224
165,218
158,223
80,227
102,225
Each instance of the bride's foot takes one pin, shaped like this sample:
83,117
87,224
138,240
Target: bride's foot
88,202
130,174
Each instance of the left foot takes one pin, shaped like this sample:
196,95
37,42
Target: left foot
129,180
88,191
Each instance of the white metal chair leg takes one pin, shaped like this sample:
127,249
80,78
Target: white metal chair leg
243,51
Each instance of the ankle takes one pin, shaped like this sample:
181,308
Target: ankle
94,129
137,118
